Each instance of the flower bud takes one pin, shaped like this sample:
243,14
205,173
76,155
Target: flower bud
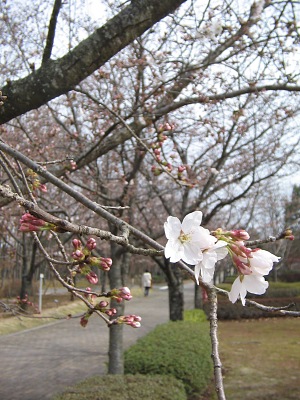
288,234
240,234
84,321
76,243
92,277
156,170
103,304
29,223
78,255
242,267
91,244
43,188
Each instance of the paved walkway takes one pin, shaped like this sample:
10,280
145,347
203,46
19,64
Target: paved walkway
40,362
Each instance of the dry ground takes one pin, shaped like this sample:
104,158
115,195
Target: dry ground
261,358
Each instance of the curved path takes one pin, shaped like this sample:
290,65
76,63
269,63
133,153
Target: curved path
41,362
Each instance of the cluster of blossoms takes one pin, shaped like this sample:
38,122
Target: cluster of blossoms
156,148
83,256
34,182
161,164
25,301
83,261
120,294
132,320
193,244
29,223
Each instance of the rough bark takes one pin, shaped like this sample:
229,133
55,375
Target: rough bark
57,77
175,285
115,352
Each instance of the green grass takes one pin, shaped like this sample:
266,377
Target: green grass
126,387
261,358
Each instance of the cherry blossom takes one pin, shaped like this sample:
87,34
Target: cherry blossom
261,261
206,267
188,239
255,284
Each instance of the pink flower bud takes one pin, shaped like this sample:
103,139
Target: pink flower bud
43,188
124,293
242,267
92,277
84,321
136,324
73,164
91,244
181,168
76,243
78,255
29,223
106,263
103,304
240,234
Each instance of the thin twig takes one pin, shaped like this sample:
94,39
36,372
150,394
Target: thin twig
212,295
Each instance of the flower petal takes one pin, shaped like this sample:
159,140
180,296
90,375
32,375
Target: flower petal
191,253
207,274
191,221
262,261
174,250
255,284
234,293
221,253
172,227
209,259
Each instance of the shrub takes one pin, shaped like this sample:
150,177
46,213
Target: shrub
181,349
278,294
126,387
195,315
289,275
227,310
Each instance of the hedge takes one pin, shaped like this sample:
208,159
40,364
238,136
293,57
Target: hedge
181,349
126,387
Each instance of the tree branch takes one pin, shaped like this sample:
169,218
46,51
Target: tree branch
51,31
57,77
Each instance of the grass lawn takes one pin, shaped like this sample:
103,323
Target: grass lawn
261,358
52,310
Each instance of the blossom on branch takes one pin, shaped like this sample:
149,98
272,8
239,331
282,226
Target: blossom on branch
206,267
261,261
188,239
120,294
131,320
255,284
257,264
92,277
29,223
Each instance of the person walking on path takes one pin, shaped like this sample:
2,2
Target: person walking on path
146,282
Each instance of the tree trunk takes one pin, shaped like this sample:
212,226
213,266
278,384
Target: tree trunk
115,352
198,303
175,285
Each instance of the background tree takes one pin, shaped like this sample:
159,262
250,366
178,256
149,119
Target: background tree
198,112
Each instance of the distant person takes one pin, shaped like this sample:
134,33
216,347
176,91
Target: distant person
146,282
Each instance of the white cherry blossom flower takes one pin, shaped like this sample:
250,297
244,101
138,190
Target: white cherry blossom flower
253,283
206,267
261,261
186,240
